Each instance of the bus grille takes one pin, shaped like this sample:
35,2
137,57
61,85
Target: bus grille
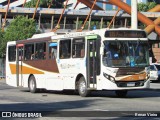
130,84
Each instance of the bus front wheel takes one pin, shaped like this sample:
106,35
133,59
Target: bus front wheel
121,93
32,84
82,88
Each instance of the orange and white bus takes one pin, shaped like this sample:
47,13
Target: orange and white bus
113,59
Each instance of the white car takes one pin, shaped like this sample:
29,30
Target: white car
155,72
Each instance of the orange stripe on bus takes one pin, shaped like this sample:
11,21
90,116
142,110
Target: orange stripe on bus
24,69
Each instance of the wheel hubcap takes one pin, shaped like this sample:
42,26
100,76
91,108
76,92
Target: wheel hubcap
32,84
82,87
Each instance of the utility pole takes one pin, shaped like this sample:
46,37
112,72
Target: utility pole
24,3
4,23
36,9
134,21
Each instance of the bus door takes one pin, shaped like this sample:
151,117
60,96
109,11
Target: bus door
19,73
93,61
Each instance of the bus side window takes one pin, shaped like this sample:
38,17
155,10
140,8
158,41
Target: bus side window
12,53
65,49
40,51
28,51
82,52
52,50
78,49
20,54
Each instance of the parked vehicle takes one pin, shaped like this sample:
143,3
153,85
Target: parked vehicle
155,72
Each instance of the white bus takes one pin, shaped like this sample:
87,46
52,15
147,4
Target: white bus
113,59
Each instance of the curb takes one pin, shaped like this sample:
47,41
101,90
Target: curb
153,89
2,78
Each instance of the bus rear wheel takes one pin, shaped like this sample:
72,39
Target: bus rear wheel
32,84
121,93
82,88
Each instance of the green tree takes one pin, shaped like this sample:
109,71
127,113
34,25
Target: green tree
45,3
20,28
143,7
151,5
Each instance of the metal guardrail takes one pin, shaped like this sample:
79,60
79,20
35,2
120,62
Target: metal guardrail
2,68
109,13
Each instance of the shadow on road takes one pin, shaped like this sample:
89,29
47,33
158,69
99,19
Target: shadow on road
53,109
110,94
144,93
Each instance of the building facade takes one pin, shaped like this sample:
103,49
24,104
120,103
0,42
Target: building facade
80,6
78,16
72,3
13,3
141,1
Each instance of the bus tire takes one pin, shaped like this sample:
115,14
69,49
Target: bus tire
32,84
121,93
82,88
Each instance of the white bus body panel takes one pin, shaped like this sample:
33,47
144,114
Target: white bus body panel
70,69
10,78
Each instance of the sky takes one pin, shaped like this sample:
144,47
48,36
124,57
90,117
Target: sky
141,0
108,7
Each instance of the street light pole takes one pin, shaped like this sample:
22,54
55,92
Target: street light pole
134,21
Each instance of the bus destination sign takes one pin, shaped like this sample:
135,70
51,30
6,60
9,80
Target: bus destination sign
125,34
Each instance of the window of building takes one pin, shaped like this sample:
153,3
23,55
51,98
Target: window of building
65,49
12,53
69,5
78,48
84,8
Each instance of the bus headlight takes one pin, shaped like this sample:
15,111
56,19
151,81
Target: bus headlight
112,79
147,76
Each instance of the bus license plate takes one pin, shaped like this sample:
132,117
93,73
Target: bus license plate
131,84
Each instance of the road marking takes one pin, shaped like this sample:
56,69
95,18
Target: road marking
100,110
41,100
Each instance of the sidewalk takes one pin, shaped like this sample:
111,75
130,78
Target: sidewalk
2,78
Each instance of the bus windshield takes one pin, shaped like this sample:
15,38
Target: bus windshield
126,54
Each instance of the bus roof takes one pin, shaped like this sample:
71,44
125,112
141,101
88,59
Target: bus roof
75,34
49,34
55,36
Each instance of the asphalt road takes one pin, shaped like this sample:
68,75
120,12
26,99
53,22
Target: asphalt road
21,100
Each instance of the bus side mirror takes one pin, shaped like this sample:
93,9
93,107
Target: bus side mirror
102,50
